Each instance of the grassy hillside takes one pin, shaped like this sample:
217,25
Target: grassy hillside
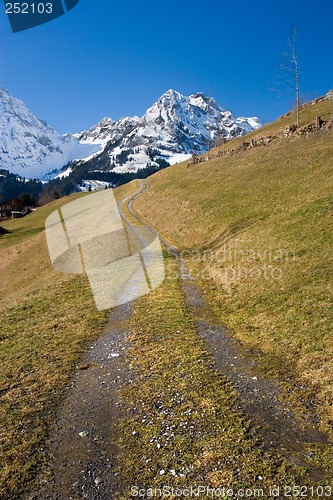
257,228
46,320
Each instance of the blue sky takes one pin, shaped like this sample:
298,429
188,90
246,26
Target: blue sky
115,58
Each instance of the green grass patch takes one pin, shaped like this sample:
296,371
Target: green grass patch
32,224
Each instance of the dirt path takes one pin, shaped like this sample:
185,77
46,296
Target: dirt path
82,450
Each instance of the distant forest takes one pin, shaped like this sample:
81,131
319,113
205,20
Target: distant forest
39,193
12,186
88,171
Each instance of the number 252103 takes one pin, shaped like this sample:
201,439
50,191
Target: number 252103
29,8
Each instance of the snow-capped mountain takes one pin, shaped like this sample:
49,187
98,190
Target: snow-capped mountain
29,146
171,130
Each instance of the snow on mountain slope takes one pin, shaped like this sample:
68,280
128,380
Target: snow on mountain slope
29,146
98,134
248,124
170,131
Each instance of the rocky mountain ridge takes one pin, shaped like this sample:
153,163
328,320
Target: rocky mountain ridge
174,128
171,130
29,146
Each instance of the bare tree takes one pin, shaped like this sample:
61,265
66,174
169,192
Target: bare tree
288,74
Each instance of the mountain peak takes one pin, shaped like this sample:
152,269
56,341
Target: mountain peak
172,129
169,98
106,121
171,93
29,146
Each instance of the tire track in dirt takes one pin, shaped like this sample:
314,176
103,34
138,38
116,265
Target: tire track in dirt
81,452
82,449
